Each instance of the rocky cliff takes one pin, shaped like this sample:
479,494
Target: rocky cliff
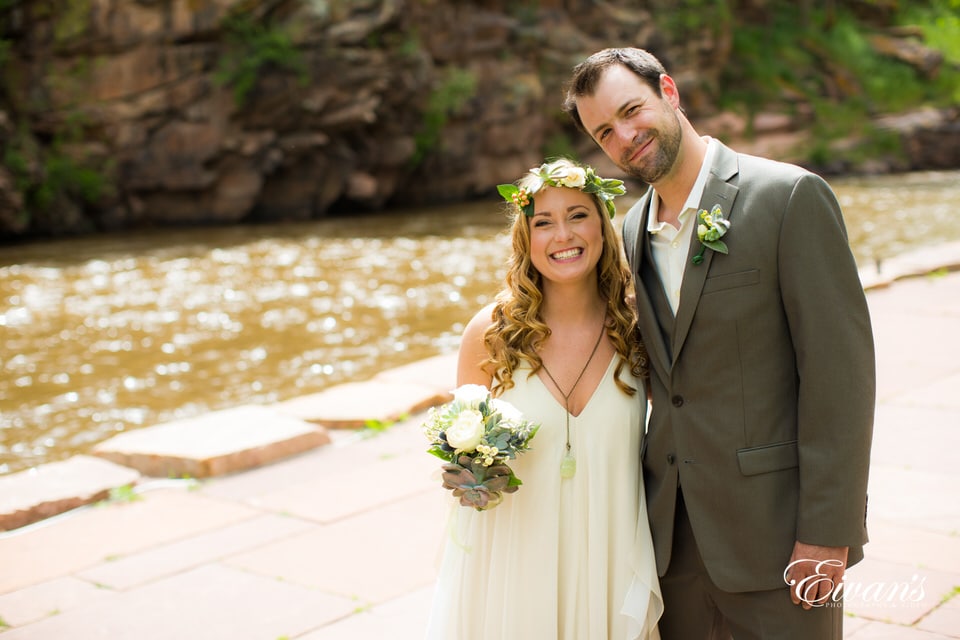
132,113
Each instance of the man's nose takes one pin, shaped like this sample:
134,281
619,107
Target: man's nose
624,132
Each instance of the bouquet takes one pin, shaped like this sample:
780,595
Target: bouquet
476,434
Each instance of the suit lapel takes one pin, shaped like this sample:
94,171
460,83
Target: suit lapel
719,191
646,288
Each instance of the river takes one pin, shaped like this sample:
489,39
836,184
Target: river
114,332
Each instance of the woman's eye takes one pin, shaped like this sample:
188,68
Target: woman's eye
541,223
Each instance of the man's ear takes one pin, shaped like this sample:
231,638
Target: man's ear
669,91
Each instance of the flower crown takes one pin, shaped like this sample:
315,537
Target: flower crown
563,173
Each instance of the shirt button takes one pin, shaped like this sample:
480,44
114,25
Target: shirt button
670,458
674,244
677,401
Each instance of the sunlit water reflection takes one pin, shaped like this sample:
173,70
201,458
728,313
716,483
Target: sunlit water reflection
102,335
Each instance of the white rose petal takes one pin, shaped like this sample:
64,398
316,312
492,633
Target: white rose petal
471,394
508,412
576,177
466,431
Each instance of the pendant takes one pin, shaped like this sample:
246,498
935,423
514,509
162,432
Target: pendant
568,467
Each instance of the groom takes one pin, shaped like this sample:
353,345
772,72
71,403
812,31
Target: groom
762,366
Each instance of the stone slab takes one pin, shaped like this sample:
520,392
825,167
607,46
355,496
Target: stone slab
211,601
89,536
213,444
352,405
50,598
439,372
404,618
941,257
124,573
50,489
369,558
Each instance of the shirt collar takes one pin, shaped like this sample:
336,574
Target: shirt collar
654,225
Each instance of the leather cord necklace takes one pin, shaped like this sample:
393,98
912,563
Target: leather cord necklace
569,465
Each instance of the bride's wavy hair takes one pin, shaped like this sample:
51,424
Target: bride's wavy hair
518,332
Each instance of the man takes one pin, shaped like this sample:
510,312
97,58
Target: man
762,366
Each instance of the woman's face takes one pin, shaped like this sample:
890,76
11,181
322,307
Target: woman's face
566,235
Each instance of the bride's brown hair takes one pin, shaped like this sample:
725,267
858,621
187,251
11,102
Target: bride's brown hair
518,332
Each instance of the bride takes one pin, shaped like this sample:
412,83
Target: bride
569,554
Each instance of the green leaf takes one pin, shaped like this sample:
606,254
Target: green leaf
507,191
717,245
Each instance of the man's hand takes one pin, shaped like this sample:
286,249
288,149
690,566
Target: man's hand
814,572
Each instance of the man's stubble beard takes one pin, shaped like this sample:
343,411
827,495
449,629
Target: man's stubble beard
663,161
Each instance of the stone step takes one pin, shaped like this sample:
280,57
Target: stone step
213,444
50,489
386,398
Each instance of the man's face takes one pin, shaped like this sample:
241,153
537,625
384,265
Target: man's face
635,127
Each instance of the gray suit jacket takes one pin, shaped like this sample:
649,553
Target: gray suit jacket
764,383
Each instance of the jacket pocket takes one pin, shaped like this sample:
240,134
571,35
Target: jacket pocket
731,281
770,457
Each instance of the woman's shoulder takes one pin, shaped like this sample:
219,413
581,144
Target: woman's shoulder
479,323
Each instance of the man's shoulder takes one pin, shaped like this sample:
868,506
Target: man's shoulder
757,166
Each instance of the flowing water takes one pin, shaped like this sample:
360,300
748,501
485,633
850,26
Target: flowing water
106,334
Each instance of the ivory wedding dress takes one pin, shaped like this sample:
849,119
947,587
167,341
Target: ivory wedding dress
569,558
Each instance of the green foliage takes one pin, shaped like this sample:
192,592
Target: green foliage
687,19
825,59
71,20
253,48
939,20
44,175
456,89
126,493
5,46
559,145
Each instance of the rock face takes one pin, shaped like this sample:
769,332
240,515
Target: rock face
133,113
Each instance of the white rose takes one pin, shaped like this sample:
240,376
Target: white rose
470,394
575,179
508,412
466,431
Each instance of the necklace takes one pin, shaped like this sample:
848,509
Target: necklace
569,465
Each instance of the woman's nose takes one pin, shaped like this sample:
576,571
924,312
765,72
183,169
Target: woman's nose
564,231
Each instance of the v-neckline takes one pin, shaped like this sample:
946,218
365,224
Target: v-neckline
593,392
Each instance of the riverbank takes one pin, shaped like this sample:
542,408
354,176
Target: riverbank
341,540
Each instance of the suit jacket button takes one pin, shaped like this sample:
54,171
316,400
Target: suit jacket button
677,401
670,458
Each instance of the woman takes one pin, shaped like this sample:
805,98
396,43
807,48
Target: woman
569,555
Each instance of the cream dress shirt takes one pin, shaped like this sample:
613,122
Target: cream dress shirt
670,245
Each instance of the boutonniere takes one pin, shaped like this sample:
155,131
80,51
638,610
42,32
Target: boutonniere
710,228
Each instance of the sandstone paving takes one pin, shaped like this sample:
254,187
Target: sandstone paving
46,599
895,592
896,423
167,559
437,372
371,558
403,618
94,534
51,489
212,601
883,631
355,404
945,620
213,444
